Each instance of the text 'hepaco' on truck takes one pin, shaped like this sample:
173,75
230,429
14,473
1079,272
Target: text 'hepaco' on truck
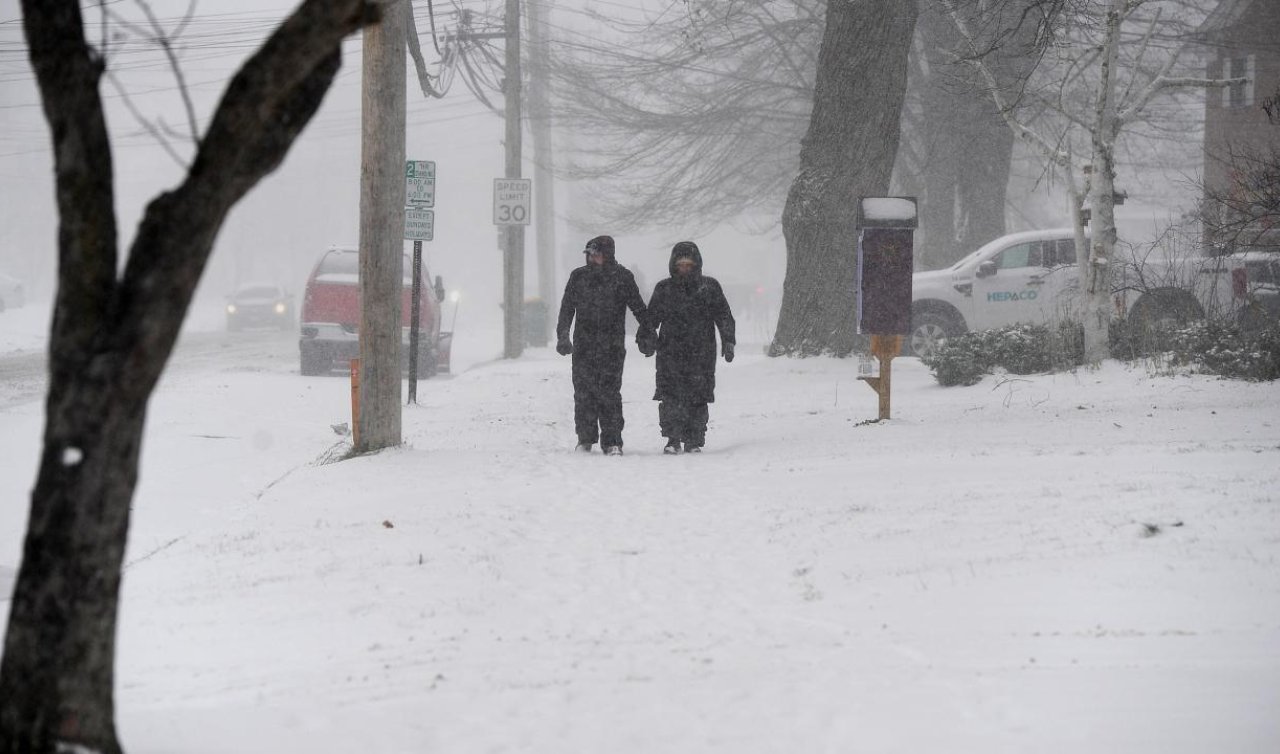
1033,278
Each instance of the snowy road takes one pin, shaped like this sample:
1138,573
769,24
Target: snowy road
1054,564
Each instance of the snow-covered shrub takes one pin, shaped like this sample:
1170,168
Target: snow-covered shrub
961,360
1225,350
1205,346
1017,349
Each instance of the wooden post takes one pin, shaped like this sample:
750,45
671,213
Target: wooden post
884,348
382,226
513,256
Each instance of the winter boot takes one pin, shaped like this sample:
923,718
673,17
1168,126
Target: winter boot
673,447
584,447
613,450
691,448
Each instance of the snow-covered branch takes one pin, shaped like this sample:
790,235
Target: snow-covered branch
1022,131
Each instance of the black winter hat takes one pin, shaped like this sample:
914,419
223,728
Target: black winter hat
603,244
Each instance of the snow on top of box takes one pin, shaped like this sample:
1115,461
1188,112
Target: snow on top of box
888,208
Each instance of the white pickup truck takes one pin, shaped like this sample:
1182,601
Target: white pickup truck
1032,278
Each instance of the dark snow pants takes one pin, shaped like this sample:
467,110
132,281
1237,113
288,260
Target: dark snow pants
597,397
682,421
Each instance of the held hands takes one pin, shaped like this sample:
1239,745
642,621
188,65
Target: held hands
564,347
726,350
647,341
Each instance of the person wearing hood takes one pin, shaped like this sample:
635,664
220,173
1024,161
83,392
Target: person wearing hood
685,311
596,299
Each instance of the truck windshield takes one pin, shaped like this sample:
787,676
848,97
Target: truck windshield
340,263
345,266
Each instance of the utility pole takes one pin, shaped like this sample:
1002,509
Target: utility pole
513,249
544,190
381,227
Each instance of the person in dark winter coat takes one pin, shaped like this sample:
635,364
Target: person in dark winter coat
596,300
685,311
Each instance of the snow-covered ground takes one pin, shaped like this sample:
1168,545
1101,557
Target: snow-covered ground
1059,563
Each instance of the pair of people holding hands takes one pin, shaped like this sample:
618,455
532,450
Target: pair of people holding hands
679,324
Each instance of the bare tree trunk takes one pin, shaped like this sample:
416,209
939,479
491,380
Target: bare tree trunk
382,228
984,182
1095,277
848,153
110,339
937,238
970,147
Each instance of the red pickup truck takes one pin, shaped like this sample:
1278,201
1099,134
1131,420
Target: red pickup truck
331,316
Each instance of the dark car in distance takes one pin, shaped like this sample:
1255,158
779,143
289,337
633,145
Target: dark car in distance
260,305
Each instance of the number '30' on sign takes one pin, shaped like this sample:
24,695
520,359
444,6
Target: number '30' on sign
512,201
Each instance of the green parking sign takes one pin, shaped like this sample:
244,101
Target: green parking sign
420,183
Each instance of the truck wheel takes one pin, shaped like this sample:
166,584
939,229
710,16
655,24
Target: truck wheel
928,331
312,364
1164,309
427,363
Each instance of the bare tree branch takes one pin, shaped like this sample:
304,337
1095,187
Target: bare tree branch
975,59
165,41
157,132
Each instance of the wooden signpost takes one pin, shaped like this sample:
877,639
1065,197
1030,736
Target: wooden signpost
884,348
886,226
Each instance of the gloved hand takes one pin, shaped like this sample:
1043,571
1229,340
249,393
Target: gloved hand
726,350
646,346
564,347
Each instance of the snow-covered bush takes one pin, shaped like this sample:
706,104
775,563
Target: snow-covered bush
1205,346
1017,349
961,360
1225,350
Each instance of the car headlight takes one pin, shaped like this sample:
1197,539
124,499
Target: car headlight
231,308
280,307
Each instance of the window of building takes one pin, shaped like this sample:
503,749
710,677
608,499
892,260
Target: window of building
1238,66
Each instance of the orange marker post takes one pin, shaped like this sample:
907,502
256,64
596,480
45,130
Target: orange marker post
355,403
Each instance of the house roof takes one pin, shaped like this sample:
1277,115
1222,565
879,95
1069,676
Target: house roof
1227,14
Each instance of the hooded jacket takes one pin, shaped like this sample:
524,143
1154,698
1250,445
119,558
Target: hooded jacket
595,301
686,311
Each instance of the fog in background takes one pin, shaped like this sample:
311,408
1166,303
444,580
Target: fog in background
278,232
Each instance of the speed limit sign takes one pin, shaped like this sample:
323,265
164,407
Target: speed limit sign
512,199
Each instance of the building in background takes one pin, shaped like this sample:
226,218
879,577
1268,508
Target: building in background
1242,125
